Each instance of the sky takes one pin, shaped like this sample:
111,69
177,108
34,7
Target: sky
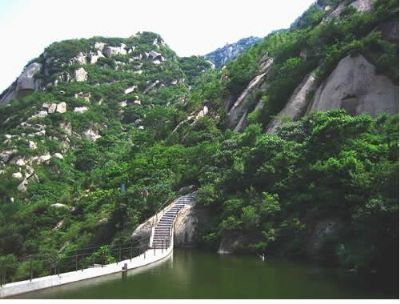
189,27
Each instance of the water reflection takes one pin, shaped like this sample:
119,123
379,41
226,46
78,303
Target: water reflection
193,274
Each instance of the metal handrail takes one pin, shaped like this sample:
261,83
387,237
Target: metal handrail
68,260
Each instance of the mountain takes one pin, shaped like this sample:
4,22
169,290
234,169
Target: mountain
328,68
293,146
230,51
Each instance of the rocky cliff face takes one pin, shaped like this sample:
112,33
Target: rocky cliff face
354,83
229,52
238,111
24,84
355,86
297,104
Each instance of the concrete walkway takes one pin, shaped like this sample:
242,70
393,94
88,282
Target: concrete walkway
162,233
149,257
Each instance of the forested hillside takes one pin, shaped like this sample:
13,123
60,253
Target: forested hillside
96,134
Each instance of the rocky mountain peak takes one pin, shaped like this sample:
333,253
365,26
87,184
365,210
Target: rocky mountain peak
230,51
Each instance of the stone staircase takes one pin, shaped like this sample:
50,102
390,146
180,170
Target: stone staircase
163,231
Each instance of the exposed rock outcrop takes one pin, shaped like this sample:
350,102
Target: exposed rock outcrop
62,107
80,75
109,51
355,87
94,57
26,80
297,104
80,109
362,5
17,175
241,105
359,5
91,134
79,59
85,96
130,89
229,52
24,84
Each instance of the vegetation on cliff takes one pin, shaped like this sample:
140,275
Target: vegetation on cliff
140,123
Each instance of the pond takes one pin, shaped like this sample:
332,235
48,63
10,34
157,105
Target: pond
191,274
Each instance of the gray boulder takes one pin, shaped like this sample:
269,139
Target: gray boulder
26,80
80,75
355,87
109,51
61,107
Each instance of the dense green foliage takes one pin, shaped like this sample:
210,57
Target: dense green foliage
150,140
327,166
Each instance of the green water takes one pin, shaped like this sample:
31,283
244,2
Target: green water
193,274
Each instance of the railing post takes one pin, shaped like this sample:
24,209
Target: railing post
120,254
30,268
76,260
131,251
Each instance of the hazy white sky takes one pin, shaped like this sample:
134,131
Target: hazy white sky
190,27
